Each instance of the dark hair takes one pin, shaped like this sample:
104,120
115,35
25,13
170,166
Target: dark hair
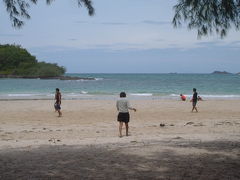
122,94
194,89
57,89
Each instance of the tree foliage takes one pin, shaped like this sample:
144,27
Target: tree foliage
15,60
17,9
208,16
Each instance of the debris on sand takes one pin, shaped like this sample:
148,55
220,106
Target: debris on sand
54,140
162,125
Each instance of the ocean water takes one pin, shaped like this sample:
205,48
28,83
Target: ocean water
137,86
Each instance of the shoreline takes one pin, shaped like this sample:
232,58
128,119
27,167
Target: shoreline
3,76
84,95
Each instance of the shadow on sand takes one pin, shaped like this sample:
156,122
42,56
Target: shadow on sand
219,161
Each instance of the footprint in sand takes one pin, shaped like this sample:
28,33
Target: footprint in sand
7,139
189,123
7,133
178,137
199,124
224,123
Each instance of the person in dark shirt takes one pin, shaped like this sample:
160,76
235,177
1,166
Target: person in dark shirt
194,99
58,99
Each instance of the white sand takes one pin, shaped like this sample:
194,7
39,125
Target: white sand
34,122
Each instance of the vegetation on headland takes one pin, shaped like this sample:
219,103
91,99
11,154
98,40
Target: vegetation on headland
223,72
16,61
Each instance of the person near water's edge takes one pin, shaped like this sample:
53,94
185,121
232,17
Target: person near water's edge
194,100
183,98
58,101
123,116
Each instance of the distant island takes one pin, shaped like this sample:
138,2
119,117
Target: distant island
17,62
221,72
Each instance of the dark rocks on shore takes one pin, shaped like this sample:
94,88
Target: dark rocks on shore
46,77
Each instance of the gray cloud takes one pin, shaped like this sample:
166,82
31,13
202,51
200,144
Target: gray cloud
113,23
102,23
235,43
124,23
156,22
11,35
81,22
208,44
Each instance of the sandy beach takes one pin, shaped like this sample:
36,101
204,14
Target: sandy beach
84,143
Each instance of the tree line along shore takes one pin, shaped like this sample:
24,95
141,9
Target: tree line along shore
17,62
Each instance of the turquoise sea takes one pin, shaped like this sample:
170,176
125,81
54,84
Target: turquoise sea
137,86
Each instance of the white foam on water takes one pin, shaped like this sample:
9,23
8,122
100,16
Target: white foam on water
82,94
212,96
22,95
141,94
221,96
51,95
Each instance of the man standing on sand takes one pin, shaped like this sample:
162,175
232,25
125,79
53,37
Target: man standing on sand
57,105
194,99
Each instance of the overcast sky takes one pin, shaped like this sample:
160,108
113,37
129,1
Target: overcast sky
124,36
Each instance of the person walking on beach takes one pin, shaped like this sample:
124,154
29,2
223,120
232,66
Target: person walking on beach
58,101
123,116
194,99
